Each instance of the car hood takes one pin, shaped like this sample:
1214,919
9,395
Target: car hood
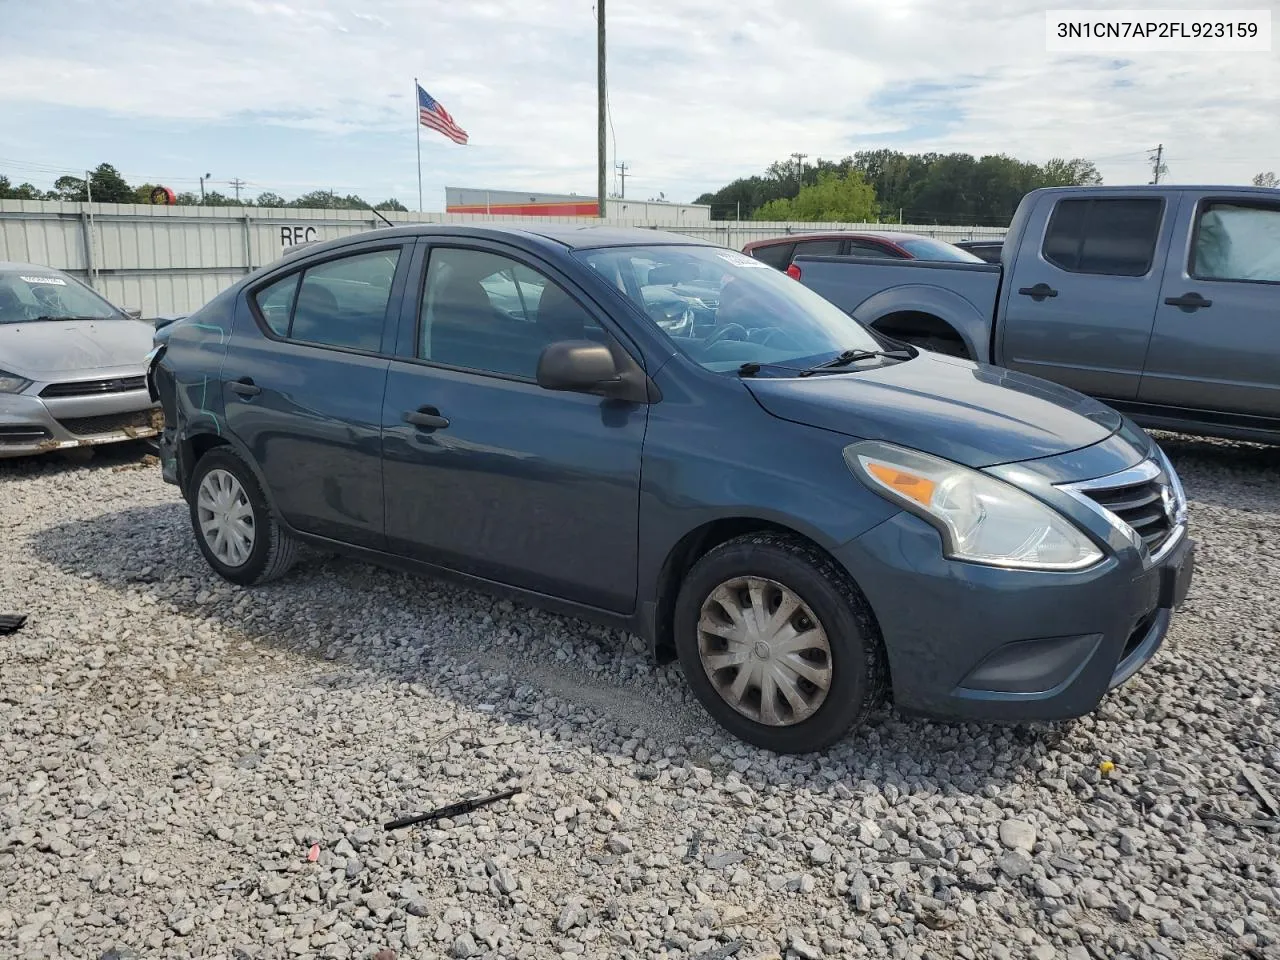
40,348
969,413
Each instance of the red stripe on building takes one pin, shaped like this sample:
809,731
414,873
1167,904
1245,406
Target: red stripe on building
550,209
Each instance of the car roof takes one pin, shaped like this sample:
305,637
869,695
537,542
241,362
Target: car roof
893,236
1161,188
565,235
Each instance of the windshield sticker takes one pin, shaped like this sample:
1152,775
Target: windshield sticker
738,260
54,280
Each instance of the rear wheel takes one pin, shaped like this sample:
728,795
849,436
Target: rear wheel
233,524
778,644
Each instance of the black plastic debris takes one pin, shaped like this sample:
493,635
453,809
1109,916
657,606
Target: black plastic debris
452,810
11,622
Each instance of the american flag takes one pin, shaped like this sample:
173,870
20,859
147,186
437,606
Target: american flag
432,114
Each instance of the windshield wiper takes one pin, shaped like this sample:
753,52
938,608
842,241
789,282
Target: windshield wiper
847,357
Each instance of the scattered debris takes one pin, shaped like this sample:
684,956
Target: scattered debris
1106,767
723,953
1206,812
695,845
11,622
314,853
452,810
1268,801
386,953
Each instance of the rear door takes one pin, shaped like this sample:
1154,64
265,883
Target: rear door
1080,304
304,378
1216,345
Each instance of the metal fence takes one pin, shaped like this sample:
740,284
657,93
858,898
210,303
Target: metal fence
174,259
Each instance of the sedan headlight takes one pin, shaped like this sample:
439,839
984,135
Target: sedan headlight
12,383
981,519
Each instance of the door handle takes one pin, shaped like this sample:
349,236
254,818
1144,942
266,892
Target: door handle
1188,301
1038,292
427,417
245,387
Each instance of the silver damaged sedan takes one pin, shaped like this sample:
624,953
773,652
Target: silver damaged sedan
72,366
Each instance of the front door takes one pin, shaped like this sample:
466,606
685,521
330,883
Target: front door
1216,344
486,472
1080,300
303,383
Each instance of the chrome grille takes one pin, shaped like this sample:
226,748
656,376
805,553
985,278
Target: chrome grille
1145,502
94,388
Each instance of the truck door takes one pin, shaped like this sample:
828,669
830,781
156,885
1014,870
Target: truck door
1079,303
1216,344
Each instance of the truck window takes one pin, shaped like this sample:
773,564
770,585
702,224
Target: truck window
818,248
1237,242
1101,236
774,254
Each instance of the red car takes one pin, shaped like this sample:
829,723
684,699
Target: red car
780,251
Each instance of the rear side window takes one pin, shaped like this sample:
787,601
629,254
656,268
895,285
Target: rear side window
1237,242
338,303
775,254
1100,236
818,248
863,248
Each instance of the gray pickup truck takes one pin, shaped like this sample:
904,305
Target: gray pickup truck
1163,301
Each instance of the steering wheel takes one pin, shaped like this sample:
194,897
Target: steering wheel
723,334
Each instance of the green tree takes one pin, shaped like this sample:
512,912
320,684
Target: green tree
392,204
1069,173
108,186
847,199
70,188
187,198
328,200
1266,180
23,191
269,199
212,198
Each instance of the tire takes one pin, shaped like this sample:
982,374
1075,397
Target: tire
852,664
272,552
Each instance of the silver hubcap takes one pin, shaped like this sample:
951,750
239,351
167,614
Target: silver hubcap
764,651
226,518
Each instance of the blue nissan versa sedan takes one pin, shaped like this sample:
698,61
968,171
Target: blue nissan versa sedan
673,438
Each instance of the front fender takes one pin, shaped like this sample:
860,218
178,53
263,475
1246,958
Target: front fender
973,326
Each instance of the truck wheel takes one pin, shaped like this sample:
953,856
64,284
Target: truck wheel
778,644
952,347
233,524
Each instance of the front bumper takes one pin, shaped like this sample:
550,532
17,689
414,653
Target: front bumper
30,424
971,642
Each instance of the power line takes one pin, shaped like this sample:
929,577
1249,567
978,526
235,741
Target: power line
236,184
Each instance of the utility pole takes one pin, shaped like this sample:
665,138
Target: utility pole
237,183
601,112
1158,167
799,159
622,172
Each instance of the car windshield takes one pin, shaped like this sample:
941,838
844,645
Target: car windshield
32,293
722,309
927,248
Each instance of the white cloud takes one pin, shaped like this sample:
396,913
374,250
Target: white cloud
700,92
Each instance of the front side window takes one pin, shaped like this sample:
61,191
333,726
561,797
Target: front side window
1101,236
487,312
337,303
38,293
722,309
1237,242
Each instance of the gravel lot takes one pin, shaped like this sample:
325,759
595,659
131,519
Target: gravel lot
171,747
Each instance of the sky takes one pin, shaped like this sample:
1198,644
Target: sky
296,95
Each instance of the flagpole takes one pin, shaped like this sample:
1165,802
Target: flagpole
417,127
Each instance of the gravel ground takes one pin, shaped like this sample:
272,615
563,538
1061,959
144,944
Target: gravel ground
171,748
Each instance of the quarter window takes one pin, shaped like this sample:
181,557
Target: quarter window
1110,237
483,311
1235,242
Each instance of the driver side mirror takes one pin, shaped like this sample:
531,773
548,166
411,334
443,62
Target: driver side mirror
581,366
133,313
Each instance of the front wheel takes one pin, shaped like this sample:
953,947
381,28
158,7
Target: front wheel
233,524
778,644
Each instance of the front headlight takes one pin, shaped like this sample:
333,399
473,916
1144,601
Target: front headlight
981,519
12,383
